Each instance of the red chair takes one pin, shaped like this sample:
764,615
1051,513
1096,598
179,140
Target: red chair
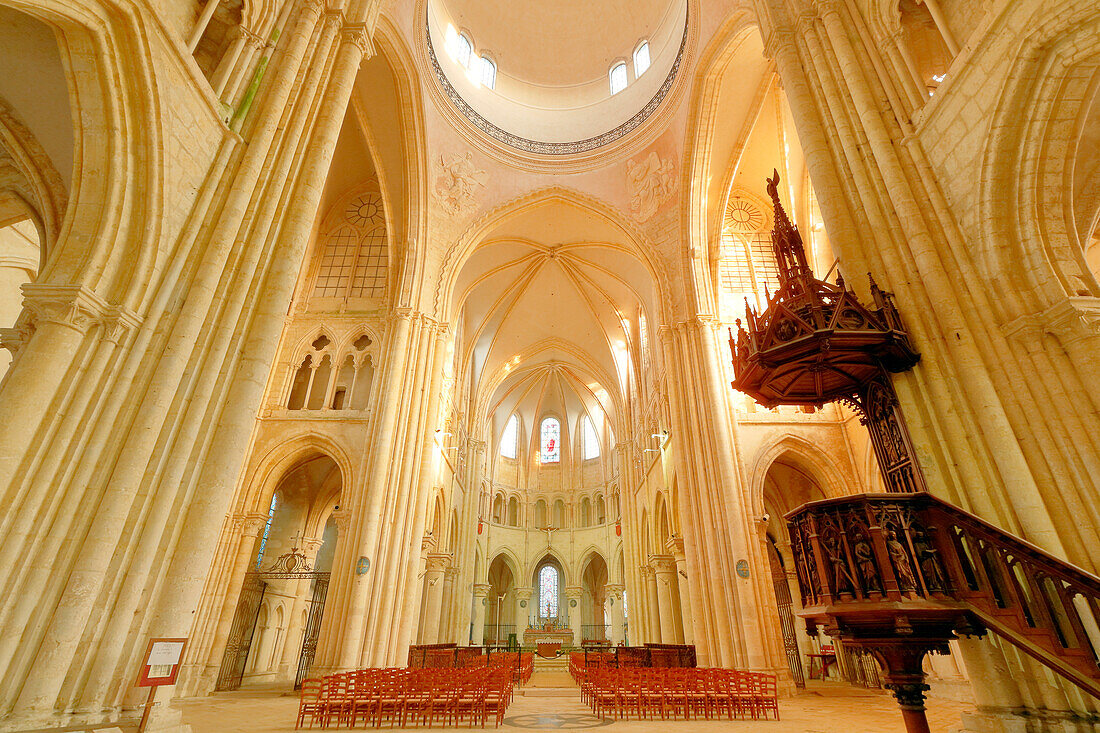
311,703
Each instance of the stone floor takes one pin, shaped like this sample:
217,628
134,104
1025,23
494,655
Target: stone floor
824,708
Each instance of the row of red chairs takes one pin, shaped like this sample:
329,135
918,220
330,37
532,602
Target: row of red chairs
522,664
680,692
407,697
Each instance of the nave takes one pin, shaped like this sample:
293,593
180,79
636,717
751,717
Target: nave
824,707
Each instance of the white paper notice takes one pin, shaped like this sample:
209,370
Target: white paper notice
165,653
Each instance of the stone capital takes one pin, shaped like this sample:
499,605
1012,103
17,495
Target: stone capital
357,34
481,590
524,594
663,565
675,547
72,306
310,546
253,39
340,518
313,7
779,41
573,592
427,544
437,563
614,591
250,525
1070,320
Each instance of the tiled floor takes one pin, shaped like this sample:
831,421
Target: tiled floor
824,708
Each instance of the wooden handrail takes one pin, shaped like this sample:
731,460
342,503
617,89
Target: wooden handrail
872,560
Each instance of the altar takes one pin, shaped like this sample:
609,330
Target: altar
548,637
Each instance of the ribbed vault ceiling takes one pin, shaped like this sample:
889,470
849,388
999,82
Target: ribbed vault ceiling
547,303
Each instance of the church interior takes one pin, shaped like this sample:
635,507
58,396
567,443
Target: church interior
458,362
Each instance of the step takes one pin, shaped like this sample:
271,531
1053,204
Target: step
560,692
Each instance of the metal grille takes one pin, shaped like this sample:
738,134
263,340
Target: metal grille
240,633
313,628
786,617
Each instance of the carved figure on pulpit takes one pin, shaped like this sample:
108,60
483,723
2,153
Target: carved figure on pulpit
928,561
865,561
843,581
902,567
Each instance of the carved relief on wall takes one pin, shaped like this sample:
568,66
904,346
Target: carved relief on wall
650,183
456,183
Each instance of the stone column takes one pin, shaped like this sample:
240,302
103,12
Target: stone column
664,571
524,610
614,593
434,574
447,612
675,547
652,630
481,593
573,595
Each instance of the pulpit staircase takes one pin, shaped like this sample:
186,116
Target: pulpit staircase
899,574
889,571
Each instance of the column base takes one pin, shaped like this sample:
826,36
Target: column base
163,719
1025,720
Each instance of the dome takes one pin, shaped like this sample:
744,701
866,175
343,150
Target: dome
538,76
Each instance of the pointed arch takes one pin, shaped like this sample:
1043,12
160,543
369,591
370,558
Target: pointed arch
806,456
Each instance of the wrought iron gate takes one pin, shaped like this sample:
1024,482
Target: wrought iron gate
291,566
240,633
313,628
786,616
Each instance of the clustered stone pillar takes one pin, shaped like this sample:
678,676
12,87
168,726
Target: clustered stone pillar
143,367
664,571
434,578
614,592
675,547
523,605
481,595
573,595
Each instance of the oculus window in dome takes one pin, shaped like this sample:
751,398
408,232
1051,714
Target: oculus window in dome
556,78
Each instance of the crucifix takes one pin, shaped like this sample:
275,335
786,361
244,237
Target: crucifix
549,534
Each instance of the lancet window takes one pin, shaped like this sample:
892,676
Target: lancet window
550,439
548,592
355,255
591,440
509,439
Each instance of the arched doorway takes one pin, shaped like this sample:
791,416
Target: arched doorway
500,614
273,637
594,627
788,485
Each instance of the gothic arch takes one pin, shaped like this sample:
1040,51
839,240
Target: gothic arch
283,457
638,244
117,152
510,560
41,189
543,556
1030,245
810,459
703,124
411,233
592,551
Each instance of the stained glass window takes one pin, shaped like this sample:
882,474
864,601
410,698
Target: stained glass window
591,440
548,592
551,440
509,438
267,529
